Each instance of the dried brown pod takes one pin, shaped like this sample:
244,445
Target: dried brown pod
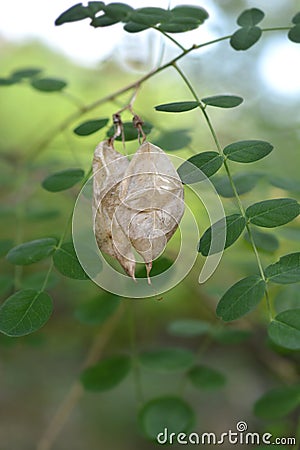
137,204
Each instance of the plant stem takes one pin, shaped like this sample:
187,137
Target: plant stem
76,390
237,197
171,39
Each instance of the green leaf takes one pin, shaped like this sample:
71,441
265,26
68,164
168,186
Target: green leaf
203,377
107,374
95,7
263,241
36,280
149,16
235,224
130,132
119,11
32,251
25,73
173,140
5,246
223,101
98,309
8,81
228,335
25,312
132,27
296,18
76,12
90,127
189,327
245,38
66,262
288,184
180,25
250,17
247,151
103,21
244,182
197,12
177,107
241,298
167,359
284,329
63,180
208,163
6,284
278,402
168,412
48,84
273,213
294,34
286,270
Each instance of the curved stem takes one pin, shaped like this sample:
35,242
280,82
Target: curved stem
231,181
171,39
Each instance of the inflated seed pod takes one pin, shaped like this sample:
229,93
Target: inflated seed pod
109,167
152,206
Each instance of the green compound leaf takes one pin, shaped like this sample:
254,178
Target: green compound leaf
130,132
177,107
250,17
284,329
235,225
247,151
90,127
286,270
32,251
5,246
48,84
167,359
294,34
273,213
278,402
173,140
25,312
208,163
149,16
245,38
195,12
223,101
241,298
66,262
189,328
98,309
103,21
25,73
264,241
244,182
63,180
118,11
168,412
296,18
203,377
107,374
76,12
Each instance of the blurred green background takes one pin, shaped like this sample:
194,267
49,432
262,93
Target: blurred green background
37,371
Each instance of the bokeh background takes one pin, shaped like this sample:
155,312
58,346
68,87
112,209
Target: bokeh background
37,371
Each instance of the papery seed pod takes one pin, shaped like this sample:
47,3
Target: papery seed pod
152,206
109,167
